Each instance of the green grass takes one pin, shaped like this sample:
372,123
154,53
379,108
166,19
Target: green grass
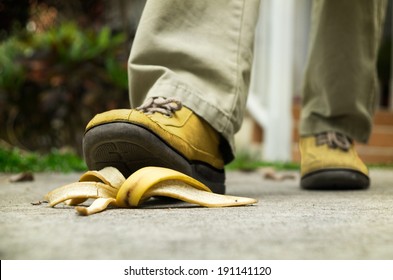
253,165
245,161
16,160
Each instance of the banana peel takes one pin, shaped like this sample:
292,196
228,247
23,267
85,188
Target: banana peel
109,187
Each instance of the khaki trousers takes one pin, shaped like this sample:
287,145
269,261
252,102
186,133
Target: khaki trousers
341,82
201,52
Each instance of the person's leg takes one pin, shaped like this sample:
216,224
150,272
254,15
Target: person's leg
339,91
200,53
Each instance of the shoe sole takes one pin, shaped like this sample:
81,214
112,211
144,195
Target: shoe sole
129,147
335,179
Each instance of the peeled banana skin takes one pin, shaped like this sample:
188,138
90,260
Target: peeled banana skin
109,187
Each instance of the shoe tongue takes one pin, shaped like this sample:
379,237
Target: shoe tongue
334,140
165,106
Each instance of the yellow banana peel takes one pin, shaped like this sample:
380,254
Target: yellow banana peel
109,187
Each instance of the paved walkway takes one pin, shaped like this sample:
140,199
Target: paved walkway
287,223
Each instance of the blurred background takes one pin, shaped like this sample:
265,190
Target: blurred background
62,62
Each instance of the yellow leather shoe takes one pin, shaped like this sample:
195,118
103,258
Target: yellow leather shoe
161,133
329,161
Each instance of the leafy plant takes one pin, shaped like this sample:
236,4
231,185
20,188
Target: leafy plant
11,73
53,83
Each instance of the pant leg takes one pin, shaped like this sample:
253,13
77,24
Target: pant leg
200,52
341,79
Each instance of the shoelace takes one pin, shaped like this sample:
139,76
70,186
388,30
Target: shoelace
163,105
334,140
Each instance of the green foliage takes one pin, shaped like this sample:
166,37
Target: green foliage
15,160
116,73
74,45
11,73
53,83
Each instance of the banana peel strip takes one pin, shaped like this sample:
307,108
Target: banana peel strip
109,187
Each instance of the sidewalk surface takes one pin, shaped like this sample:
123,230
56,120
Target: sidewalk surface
287,223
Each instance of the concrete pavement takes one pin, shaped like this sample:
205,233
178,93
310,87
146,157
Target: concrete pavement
287,223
